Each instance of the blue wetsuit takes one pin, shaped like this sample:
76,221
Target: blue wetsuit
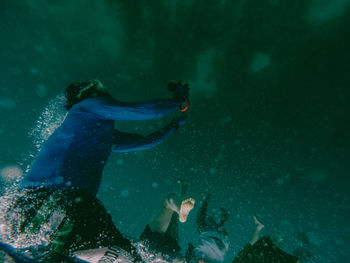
75,154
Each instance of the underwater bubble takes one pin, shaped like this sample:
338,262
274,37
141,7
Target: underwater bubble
50,118
34,71
212,170
314,238
219,157
225,120
120,162
78,200
16,71
317,176
39,48
280,181
41,91
10,173
260,61
7,103
323,11
124,193
154,184
236,141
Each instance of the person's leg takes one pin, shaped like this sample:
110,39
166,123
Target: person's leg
186,204
201,220
185,208
161,221
166,220
223,216
92,224
258,227
173,228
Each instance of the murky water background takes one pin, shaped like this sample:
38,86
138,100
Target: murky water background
268,128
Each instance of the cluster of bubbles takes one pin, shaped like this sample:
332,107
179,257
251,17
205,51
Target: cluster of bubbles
148,256
10,173
10,220
49,120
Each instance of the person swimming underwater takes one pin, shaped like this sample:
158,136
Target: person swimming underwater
212,240
59,190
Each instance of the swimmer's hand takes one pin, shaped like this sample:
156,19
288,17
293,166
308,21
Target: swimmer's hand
179,121
179,90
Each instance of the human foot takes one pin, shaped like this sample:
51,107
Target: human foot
186,207
170,204
258,224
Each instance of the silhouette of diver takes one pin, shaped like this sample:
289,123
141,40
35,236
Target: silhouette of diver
59,190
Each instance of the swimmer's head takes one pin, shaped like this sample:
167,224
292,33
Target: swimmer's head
81,90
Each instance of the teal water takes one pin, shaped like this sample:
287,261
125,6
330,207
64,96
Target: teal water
268,130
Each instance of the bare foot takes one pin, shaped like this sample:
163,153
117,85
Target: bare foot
186,207
258,224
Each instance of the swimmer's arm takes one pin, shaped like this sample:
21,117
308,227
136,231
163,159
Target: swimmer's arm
110,109
127,142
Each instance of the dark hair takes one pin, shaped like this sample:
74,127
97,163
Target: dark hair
72,91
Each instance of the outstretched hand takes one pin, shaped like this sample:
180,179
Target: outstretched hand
178,121
178,89
181,120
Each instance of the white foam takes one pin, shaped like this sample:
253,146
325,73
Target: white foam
49,120
10,173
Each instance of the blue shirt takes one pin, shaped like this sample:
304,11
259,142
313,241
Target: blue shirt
75,154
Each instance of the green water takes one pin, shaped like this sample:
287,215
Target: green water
268,131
